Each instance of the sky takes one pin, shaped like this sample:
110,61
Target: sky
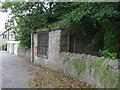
3,17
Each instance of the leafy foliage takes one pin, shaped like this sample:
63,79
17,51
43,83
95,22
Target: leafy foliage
29,16
4,46
104,19
107,54
101,17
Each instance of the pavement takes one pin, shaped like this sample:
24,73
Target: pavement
15,70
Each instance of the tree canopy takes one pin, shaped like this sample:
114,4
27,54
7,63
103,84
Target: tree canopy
103,17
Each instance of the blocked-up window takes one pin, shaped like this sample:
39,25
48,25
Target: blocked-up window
78,43
43,44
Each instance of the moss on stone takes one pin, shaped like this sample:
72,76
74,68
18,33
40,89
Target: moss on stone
96,65
65,60
79,65
110,79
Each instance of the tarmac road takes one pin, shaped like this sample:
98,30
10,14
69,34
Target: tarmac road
14,74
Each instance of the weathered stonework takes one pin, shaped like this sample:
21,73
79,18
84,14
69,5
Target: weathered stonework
24,52
53,50
90,74
63,62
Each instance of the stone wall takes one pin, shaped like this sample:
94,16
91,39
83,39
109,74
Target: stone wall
24,52
91,69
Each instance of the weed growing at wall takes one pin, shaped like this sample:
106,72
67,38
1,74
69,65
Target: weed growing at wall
108,78
65,60
79,65
107,54
96,64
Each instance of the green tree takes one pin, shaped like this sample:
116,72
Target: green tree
29,16
102,17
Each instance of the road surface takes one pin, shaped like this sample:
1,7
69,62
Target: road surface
14,72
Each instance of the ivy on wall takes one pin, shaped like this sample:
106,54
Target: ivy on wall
97,70
79,65
106,77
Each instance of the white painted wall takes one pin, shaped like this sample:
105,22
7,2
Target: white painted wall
15,48
12,46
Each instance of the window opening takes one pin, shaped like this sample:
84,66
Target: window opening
43,44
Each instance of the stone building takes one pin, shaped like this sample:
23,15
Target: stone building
70,53
7,37
3,40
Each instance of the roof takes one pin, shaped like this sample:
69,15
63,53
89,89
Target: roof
52,27
5,31
46,29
